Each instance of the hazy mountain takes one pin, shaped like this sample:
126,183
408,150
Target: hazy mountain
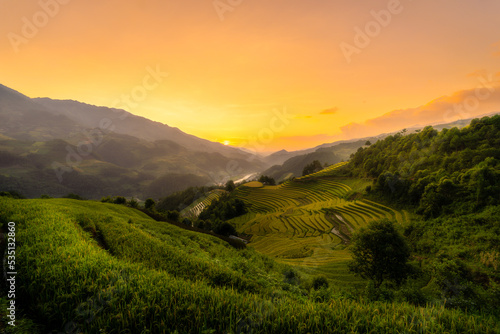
329,155
123,122
57,147
24,119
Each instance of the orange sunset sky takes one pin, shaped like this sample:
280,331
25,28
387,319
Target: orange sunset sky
232,63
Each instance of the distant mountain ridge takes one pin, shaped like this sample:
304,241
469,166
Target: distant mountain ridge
124,122
55,147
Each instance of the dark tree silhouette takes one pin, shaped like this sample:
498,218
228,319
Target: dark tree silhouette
380,253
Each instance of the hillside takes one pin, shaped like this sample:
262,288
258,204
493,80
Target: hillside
59,147
104,267
293,166
451,179
290,164
309,221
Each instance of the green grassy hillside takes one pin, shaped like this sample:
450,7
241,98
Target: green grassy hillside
102,268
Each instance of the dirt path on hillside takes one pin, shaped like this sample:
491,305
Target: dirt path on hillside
340,235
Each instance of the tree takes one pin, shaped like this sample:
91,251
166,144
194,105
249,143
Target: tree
380,253
264,179
230,185
149,204
133,203
225,229
320,282
173,215
74,196
120,200
368,143
313,167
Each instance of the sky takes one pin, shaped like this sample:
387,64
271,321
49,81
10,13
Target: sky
264,75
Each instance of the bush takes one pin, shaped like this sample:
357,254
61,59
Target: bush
319,282
225,229
291,276
74,196
107,199
149,204
173,216
12,194
120,200
133,203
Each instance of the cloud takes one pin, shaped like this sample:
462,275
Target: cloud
470,103
330,111
303,116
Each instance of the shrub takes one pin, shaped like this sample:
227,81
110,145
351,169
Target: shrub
319,282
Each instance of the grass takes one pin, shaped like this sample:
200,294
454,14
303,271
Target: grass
253,184
95,267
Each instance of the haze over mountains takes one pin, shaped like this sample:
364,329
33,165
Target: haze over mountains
55,147
58,147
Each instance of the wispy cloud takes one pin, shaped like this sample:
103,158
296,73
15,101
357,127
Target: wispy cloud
330,111
463,104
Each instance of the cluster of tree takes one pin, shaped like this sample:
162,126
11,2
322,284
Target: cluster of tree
219,227
264,179
133,203
230,186
71,196
12,194
452,178
311,168
225,208
440,172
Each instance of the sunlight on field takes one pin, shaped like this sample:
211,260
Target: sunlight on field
308,223
253,184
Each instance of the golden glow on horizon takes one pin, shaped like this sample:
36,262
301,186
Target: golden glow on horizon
226,78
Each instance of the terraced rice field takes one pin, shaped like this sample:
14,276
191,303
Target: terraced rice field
306,222
194,210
